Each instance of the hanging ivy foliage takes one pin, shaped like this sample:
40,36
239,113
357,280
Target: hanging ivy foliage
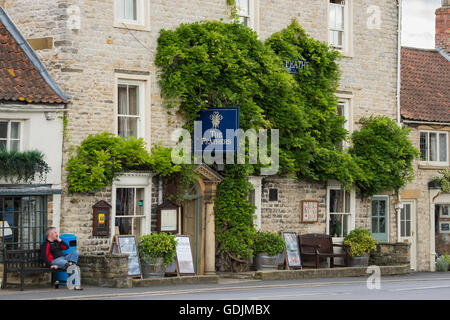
235,232
22,167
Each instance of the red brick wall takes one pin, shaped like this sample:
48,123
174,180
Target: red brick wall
443,28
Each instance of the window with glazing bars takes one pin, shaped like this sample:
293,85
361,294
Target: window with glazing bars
336,23
23,222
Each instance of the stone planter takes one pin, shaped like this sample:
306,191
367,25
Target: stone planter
362,261
265,262
153,270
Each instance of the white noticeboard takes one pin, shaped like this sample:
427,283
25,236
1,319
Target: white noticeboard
5,229
169,220
184,255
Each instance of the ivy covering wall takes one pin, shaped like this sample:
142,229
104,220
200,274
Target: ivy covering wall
216,64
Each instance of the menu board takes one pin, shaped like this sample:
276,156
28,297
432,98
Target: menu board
292,250
184,255
127,244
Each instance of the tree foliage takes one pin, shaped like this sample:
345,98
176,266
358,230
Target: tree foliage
385,154
100,158
216,64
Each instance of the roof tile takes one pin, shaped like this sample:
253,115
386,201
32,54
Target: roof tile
425,86
19,79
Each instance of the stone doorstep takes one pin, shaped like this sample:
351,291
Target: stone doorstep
329,273
208,279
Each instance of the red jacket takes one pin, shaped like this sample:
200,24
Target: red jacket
50,250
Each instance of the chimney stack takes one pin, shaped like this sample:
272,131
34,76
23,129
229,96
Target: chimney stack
443,26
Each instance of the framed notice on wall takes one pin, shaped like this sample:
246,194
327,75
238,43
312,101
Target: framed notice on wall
309,211
444,226
168,217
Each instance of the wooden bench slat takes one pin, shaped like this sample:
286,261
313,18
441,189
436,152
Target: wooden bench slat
319,245
24,262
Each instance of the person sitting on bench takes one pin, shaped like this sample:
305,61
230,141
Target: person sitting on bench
53,256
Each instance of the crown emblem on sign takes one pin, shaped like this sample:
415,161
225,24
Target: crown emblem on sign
216,117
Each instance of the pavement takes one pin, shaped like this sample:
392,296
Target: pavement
414,286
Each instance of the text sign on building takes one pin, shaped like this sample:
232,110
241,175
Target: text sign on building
294,65
217,128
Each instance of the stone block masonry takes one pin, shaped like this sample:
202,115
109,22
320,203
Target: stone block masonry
390,254
106,270
84,63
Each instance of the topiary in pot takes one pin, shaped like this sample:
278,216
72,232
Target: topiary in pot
156,251
267,247
361,243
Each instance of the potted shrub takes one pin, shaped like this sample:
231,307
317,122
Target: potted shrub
156,251
267,247
443,263
361,243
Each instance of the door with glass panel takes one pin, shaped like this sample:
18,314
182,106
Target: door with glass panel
379,214
408,232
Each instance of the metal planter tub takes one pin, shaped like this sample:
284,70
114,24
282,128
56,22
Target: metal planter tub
362,261
265,262
153,270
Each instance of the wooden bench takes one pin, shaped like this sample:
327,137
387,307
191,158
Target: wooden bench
317,247
25,262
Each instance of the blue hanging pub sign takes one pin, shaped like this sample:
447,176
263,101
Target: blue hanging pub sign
217,129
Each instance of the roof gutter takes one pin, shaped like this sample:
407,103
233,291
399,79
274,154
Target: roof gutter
12,29
427,122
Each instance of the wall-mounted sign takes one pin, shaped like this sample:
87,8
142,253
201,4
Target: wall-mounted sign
168,217
215,129
444,226
310,211
294,65
101,213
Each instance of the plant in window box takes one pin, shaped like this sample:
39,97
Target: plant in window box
267,247
361,243
156,251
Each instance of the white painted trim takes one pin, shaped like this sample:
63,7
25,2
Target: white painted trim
30,108
257,185
333,184
134,180
347,49
143,17
414,246
432,194
144,99
348,99
435,163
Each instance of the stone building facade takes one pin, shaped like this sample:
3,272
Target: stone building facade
91,50
425,110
